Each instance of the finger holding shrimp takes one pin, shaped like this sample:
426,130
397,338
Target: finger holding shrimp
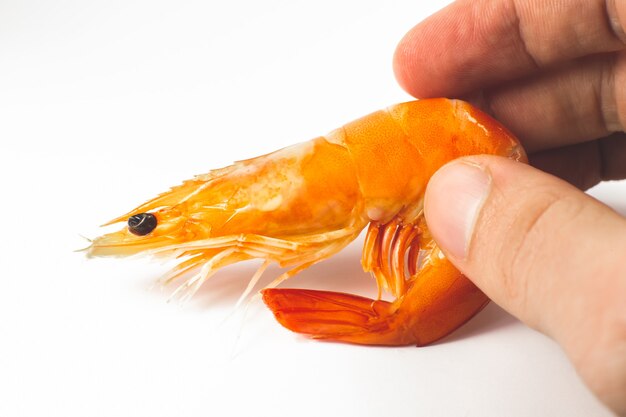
544,251
553,72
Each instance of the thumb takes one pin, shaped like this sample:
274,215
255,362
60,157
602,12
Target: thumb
544,251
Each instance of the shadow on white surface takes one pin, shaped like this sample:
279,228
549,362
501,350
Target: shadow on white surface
491,319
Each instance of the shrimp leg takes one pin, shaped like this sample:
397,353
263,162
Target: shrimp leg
437,298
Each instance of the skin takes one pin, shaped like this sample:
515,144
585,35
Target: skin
554,72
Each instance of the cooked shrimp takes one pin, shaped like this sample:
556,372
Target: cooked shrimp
304,203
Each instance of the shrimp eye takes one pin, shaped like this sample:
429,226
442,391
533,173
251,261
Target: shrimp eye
141,224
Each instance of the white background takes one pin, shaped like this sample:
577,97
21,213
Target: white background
104,104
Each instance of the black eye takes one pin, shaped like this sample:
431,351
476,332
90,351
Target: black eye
141,224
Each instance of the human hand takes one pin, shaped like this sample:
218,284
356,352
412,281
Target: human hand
555,74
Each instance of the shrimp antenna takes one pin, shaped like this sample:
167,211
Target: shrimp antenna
86,248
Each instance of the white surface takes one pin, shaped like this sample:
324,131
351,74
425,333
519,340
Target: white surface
104,104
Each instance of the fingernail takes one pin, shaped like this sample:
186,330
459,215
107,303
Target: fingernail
454,198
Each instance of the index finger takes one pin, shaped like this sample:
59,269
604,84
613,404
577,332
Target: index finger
473,44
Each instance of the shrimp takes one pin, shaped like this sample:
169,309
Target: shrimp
304,203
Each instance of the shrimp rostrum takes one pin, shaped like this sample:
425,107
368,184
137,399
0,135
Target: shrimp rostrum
304,203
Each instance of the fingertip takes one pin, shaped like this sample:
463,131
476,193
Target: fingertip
416,61
467,46
438,57
411,72
401,67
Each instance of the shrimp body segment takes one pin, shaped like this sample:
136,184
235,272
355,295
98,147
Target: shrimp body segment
304,203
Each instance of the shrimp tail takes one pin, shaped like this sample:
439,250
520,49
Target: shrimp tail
419,317
327,314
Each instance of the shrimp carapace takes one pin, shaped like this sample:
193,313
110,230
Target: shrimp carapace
304,203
